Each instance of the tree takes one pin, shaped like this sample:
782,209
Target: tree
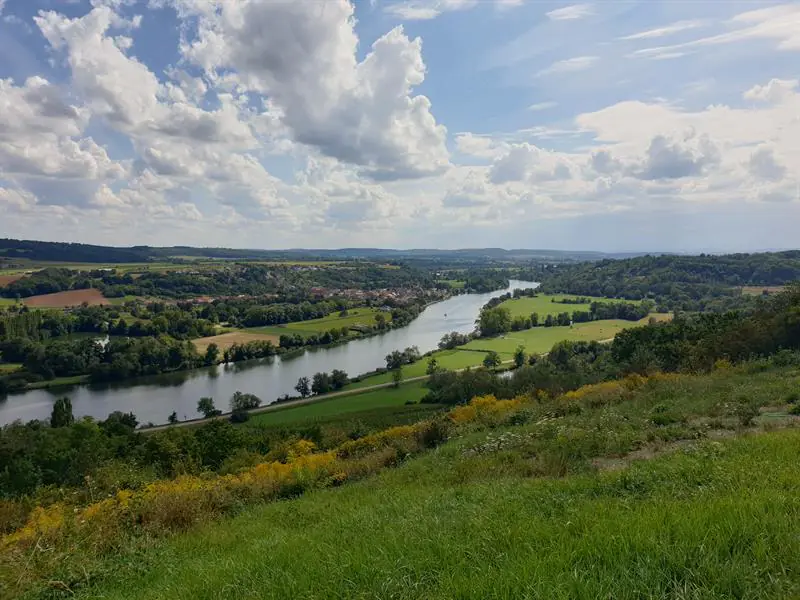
240,401
519,356
339,379
205,406
493,321
173,418
62,413
433,366
534,319
394,360
212,355
491,360
397,377
303,387
321,383
380,321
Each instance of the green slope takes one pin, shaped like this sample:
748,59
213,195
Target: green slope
520,511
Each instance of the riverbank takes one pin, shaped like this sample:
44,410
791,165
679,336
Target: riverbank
154,398
457,359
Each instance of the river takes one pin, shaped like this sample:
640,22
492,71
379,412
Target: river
153,399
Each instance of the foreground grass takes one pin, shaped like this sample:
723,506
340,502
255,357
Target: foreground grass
624,489
374,400
718,520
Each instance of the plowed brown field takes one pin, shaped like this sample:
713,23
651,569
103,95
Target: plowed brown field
226,340
67,299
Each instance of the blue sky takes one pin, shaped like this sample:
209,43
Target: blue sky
618,126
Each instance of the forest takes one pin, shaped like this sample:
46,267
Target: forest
689,283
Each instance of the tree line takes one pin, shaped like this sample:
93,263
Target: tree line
497,319
688,283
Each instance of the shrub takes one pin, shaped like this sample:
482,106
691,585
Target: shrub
793,398
662,415
746,411
795,410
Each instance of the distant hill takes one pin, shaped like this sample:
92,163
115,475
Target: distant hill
86,253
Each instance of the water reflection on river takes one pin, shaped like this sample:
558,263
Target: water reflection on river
154,398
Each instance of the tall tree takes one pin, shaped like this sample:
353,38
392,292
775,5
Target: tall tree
212,355
491,360
303,387
205,406
519,356
62,413
397,377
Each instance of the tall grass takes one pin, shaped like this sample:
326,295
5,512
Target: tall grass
717,521
519,503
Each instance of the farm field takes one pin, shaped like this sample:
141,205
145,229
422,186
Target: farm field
455,284
539,340
543,305
226,340
377,399
355,317
9,367
66,299
7,302
756,290
6,279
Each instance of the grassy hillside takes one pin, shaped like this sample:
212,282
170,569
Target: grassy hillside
672,486
715,522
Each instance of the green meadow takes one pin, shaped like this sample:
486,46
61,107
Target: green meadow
544,304
661,492
344,405
355,317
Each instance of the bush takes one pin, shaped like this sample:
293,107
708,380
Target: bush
746,411
433,433
661,416
793,398
795,410
239,416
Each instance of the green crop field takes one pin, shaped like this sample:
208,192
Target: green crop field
602,502
543,305
356,316
455,284
9,367
539,340
377,399
7,301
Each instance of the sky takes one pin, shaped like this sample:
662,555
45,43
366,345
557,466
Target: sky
610,125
